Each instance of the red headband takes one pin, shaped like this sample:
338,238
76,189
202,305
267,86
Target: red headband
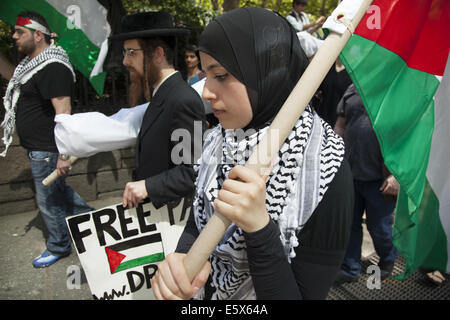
31,24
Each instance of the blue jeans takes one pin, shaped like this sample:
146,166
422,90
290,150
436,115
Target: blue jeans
379,224
55,201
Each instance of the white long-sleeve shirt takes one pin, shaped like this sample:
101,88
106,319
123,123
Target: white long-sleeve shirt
298,22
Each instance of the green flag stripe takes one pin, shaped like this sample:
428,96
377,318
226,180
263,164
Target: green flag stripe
140,261
98,82
82,52
420,237
400,106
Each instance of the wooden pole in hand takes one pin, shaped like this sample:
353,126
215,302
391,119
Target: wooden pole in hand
280,128
54,175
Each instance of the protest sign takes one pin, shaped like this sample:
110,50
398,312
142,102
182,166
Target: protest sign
119,249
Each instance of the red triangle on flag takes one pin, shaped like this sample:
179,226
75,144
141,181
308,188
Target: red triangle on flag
114,259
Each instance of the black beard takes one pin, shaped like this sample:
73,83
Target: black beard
27,50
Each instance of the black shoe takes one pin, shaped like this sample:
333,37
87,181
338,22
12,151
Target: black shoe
343,278
386,268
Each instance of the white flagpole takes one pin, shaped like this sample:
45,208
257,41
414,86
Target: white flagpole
54,175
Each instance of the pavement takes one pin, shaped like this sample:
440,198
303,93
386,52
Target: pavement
22,238
414,287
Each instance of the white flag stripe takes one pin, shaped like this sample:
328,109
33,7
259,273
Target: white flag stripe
348,9
89,16
438,171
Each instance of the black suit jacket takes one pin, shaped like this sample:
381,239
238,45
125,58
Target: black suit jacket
174,106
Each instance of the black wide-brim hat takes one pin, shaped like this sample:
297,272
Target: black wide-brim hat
147,25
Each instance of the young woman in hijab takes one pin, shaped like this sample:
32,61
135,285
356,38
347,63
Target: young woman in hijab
289,234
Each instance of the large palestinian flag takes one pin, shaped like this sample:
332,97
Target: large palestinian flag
82,29
396,59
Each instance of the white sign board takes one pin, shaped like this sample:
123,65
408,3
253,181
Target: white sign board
119,249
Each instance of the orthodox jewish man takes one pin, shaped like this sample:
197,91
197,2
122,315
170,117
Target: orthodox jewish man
161,174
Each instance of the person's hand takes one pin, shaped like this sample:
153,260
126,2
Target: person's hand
134,193
390,186
171,282
63,167
242,199
321,20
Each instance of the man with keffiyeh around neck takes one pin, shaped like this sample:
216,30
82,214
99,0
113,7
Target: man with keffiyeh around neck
42,86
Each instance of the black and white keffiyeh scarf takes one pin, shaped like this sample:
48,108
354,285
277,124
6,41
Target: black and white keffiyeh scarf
305,166
261,50
26,69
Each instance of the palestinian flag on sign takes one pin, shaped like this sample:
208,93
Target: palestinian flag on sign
82,30
135,252
397,68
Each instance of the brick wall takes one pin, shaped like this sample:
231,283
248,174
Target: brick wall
99,176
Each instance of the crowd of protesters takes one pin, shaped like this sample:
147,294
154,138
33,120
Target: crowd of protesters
289,238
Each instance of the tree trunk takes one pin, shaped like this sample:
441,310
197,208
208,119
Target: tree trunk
322,10
215,4
230,5
278,5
